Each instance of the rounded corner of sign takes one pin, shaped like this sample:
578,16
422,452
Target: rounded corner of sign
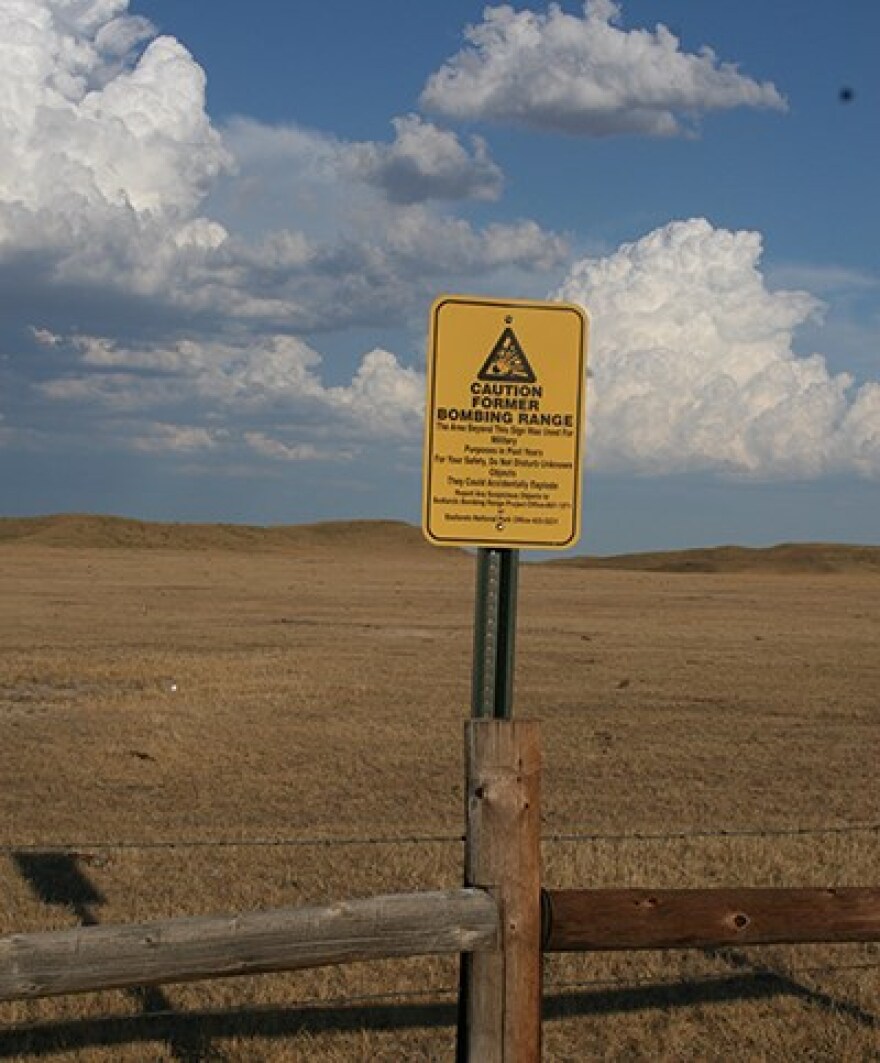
582,312
567,544
443,300
430,537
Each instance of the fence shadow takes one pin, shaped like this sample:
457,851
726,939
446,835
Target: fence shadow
60,879
741,961
46,1039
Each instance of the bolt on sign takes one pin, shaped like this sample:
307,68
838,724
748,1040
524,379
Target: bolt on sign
504,423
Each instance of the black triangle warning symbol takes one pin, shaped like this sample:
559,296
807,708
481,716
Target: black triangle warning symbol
507,361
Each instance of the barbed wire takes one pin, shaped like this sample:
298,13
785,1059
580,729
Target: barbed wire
736,832
554,837
665,983
228,843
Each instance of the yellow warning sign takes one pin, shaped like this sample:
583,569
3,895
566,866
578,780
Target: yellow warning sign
504,423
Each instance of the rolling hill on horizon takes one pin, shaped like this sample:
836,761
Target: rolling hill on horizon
805,558
93,531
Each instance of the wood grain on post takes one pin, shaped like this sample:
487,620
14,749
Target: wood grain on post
502,989
286,939
592,920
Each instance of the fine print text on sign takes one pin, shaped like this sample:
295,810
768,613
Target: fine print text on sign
504,423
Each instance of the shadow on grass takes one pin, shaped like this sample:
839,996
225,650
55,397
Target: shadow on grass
59,879
274,1023
791,987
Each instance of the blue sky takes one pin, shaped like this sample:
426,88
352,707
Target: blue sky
222,226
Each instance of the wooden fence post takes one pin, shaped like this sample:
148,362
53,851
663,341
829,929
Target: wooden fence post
501,991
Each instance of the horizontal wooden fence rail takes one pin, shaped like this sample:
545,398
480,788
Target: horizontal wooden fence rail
593,920
179,950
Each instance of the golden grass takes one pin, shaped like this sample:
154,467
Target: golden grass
312,683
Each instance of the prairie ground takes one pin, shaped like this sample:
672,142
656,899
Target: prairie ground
208,720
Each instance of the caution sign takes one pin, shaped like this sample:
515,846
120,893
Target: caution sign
504,423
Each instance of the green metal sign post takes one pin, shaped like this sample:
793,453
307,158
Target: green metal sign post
494,633
506,388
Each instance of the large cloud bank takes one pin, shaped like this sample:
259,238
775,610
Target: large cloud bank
164,281
693,367
159,273
585,75
115,180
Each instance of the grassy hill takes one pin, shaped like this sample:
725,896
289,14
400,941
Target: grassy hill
803,558
97,532
89,531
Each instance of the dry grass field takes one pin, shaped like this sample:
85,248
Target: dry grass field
177,702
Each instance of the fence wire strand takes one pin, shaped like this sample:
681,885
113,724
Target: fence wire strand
226,843
747,832
554,837
655,983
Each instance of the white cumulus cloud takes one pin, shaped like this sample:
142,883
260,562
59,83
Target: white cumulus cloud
261,386
424,162
278,450
384,396
585,75
693,366
162,438
107,156
93,127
